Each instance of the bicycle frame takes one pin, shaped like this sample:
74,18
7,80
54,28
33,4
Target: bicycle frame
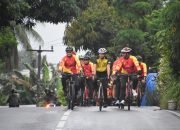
128,89
70,86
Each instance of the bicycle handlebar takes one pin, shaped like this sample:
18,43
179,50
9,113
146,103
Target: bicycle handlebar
134,74
68,74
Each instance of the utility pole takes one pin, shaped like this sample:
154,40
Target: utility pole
39,51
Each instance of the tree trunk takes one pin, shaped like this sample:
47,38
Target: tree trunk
11,61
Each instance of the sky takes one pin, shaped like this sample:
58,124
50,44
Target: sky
52,34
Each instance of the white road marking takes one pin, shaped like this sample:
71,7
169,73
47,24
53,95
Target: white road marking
64,118
62,122
67,112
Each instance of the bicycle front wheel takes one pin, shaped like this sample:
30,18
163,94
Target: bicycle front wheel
129,96
100,96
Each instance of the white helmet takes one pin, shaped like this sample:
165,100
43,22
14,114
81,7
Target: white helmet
102,51
126,49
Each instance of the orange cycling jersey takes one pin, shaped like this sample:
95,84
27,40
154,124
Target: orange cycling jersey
127,66
70,65
88,69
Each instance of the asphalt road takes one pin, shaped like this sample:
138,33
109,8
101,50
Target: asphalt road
87,118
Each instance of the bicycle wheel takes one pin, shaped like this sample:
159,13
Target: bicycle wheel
82,97
139,91
100,98
68,96
72,97
138,97
129,96
86,96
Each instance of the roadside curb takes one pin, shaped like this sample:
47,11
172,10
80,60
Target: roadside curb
21,106
174,112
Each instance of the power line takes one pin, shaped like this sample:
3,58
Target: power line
55,44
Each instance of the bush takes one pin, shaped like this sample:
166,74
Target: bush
3,98
60,93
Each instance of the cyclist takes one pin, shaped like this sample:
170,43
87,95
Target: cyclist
126,64
102,70
88,71
143,67
69,64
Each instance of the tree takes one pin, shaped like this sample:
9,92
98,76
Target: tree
163,25
94,28
20,16
55,11
8,44
134,32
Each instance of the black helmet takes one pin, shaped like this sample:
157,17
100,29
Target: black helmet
86,57
139,58
69,48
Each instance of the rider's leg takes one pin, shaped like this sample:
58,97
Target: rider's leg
117,88
90,87
63,80
135,82
123,88
104,83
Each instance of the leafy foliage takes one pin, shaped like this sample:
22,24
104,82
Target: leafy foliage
7,37
94,28
164,23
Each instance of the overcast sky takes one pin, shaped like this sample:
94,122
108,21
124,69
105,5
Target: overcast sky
52,34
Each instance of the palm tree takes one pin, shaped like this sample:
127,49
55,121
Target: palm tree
21,33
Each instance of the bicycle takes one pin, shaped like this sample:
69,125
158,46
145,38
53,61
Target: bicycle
128,91
88,92
70,86
140,91
100,93
85,93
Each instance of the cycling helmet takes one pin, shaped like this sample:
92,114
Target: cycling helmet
102,51
139,58
69,48
86,58
126,49
81,57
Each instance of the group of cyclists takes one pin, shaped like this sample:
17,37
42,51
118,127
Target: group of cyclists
104,69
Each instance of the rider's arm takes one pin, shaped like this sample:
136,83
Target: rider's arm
117,66
144,69
136,63
78,64
108,69
61,65
94,69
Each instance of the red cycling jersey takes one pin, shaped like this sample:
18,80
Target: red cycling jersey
88,69
127,66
